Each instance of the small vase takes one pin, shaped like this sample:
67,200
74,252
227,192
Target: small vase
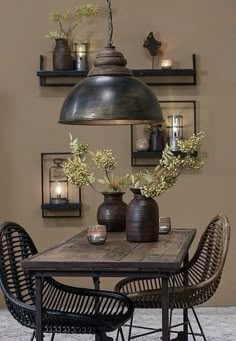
142,219
156,140
112,212
62,57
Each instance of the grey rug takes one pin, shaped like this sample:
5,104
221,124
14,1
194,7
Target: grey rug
219,325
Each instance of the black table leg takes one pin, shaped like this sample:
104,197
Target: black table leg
165,310
96,282
38,305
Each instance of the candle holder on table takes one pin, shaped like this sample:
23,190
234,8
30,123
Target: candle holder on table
164,225
97,234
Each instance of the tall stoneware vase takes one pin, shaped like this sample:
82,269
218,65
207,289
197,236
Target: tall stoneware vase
112,212
142,219
62,57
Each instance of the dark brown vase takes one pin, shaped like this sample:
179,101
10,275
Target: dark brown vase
142,219
112,212
62,57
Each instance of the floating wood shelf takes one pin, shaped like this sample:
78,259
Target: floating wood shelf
169,74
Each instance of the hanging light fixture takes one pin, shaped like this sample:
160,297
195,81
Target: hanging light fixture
110,94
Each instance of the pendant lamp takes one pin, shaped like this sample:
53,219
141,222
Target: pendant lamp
110,94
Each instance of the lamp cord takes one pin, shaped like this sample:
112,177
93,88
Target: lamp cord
110,25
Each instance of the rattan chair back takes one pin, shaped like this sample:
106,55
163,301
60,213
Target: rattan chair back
16,245
195,282
205,268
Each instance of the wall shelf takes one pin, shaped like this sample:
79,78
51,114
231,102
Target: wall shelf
143,155
59,207
188,108
152,77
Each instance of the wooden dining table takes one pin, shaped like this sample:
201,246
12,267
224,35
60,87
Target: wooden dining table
115,258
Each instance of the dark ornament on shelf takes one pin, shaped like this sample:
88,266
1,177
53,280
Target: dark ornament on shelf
152,44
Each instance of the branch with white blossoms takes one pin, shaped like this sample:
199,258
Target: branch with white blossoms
165,175
70,19
80,169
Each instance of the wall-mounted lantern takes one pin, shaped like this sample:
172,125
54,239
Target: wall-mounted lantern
59,198
175,131
81,56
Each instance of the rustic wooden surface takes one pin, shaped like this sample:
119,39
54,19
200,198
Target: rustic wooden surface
117,254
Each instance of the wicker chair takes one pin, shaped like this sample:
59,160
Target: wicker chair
195,283
65,309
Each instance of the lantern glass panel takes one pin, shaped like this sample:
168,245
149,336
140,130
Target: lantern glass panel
58,183
80,56
175,131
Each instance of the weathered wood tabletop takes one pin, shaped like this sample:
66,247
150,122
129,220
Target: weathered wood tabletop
77,254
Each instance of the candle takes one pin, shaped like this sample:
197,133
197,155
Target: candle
58,190
166,64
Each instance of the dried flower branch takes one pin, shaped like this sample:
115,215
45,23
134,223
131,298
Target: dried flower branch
80,169
152,184
70,19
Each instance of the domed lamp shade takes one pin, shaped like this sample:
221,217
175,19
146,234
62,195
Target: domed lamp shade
110,95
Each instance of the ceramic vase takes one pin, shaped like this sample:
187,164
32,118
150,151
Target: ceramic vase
112,212
62,57
142,219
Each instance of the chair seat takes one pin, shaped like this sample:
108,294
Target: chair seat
179,297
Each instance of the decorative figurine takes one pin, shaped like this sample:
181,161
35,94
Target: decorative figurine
152,45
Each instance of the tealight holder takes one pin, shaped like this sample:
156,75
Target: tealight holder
97,234
166,64
164,225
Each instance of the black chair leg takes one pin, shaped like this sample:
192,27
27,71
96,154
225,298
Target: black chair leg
103,337
191,331
199,325
117,335
33,335
122,334
130,327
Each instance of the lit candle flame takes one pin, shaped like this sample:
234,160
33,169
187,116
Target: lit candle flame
58,190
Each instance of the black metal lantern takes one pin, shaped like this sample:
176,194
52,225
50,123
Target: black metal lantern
175,131
59,198
58,183
110,94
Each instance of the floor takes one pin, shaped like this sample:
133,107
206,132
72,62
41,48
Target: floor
219,325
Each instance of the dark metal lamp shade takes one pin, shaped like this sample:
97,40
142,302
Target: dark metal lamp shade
110,94
101,100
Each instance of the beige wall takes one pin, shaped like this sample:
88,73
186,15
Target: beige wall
29,114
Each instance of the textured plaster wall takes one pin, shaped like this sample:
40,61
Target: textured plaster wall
29,114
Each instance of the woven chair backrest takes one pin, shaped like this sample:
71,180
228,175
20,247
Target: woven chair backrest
209,259
16,245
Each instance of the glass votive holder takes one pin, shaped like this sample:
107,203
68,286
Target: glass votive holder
166,64
97,234
164,225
